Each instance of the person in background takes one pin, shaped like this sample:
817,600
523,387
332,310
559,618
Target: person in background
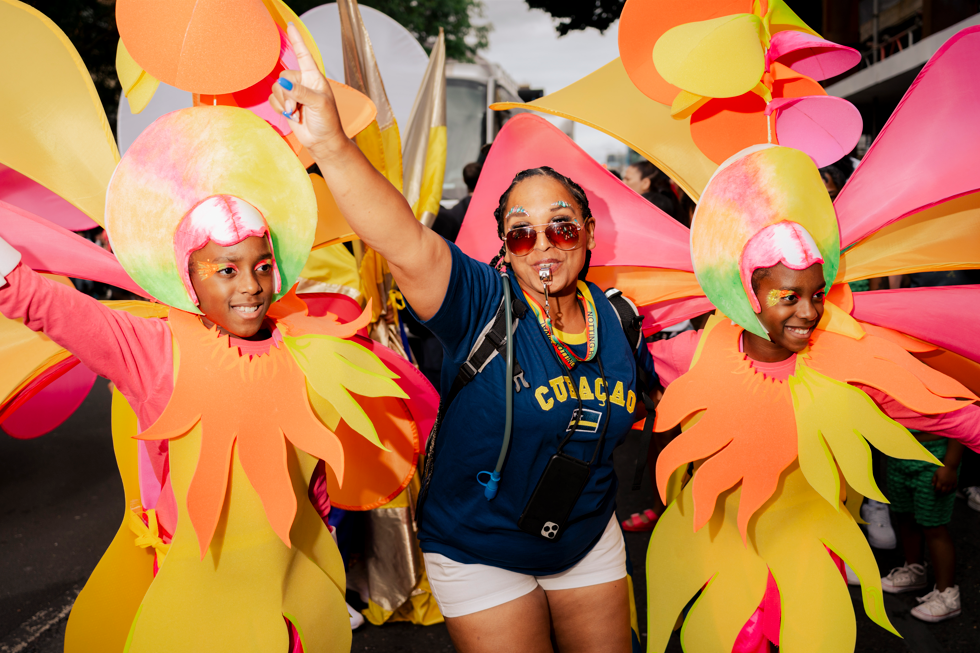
449,221
922,499
834,179
645,179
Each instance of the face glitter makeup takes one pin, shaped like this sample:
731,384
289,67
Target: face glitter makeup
515,209
775,295
562,204
205,269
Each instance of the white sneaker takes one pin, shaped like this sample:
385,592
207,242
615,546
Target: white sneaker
356,618
972,496
904,579
852,578
881,535
938,606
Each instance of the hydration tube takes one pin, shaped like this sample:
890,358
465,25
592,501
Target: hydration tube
490,487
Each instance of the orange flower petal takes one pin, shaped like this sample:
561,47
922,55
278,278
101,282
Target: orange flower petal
263,457
725,126
206,494
644,21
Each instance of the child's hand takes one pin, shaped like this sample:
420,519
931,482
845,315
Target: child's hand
944,480
305,98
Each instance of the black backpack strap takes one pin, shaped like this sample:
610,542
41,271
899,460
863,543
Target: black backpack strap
629,316
632,323
491,341
645,436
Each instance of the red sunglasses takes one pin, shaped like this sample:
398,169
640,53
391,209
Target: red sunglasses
562,235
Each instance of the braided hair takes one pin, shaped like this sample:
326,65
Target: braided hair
544,171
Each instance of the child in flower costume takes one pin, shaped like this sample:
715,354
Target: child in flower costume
772,436
234,408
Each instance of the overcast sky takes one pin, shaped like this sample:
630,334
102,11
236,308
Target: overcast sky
524,42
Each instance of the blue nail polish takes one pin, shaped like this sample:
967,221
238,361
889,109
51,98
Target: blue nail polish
285,83
288,115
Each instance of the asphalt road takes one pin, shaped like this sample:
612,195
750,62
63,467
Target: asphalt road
61,502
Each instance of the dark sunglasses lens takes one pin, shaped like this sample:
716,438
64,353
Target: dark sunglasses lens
563,235
521,241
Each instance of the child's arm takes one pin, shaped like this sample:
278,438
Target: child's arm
961,425
944,480
132,352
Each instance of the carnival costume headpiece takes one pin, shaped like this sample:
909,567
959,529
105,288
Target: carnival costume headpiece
765,205
160,205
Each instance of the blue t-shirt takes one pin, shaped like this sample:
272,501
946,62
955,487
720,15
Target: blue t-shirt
458,521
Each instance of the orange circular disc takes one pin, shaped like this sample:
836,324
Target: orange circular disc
725,126
201,46
372,476
786,83
644,21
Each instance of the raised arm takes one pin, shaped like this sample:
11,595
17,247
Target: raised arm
962,425
134,353
419,259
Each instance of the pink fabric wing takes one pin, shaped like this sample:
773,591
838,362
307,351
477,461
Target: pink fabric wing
825,127
46,247
946,316
629,229
31,196
658,316
927,151
810,55
345,308
51,405
423,400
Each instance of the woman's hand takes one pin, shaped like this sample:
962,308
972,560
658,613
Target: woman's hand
420,260
305,98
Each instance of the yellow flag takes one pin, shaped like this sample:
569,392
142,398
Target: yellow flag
425,143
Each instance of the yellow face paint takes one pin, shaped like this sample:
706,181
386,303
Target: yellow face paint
206,268
775,295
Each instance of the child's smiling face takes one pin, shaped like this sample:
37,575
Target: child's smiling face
792,305
235,285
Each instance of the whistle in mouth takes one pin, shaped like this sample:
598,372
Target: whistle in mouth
544,274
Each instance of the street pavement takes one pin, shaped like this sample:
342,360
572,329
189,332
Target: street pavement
61,503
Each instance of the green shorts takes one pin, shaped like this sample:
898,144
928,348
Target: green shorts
910,488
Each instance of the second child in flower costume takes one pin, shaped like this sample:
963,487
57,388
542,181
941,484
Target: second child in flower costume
778,396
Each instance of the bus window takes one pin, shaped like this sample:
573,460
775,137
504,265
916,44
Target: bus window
466,116
501,94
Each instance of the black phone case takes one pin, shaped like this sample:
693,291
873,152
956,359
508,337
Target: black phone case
557,491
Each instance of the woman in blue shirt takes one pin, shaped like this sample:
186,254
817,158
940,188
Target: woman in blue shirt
500,587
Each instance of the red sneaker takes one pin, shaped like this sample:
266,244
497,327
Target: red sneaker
640,522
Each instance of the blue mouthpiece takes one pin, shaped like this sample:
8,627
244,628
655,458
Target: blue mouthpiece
490,487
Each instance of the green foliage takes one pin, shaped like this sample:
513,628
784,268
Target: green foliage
423,18
580,14
600,14
91,27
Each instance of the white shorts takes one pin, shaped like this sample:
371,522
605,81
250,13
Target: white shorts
461,589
